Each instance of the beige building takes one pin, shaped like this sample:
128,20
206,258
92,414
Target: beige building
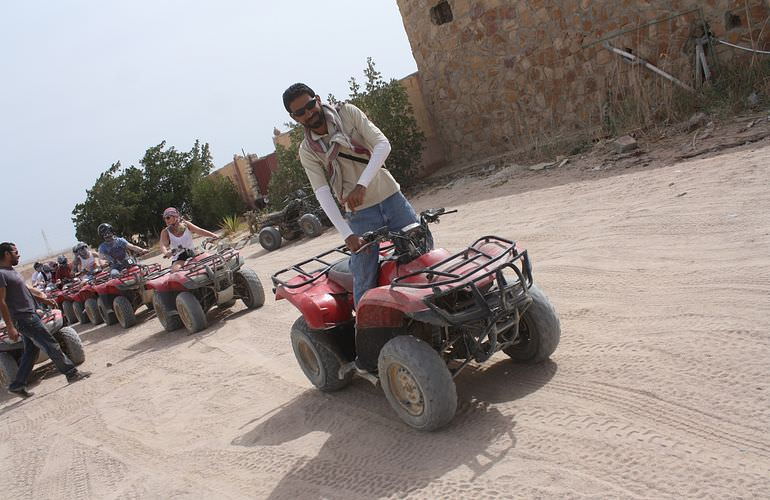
501,75
240,172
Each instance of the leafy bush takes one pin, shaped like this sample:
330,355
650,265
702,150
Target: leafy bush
214,198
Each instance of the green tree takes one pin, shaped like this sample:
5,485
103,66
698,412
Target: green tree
214,198
132,199
290,175
387,106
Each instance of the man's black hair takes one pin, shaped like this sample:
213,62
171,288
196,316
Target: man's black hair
295,91
6,247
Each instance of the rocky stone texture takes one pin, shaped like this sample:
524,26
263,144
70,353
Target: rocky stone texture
506,74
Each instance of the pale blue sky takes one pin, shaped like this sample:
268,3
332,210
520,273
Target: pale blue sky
86,83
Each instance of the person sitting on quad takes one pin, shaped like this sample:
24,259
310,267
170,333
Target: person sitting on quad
176,239
114,250
63,271
86,260
342,143
43,276
37,277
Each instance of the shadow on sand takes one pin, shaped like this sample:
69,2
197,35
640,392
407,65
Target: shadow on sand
369,452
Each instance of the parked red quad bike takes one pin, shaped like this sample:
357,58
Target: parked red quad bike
209,279
119,297
79,299
10,351
432,313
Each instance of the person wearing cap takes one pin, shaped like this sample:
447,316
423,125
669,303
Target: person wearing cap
176,239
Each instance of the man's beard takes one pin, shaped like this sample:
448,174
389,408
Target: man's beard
319,120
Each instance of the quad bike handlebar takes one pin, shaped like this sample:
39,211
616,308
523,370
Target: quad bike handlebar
411,240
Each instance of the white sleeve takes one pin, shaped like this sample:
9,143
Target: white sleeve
379,154
326,200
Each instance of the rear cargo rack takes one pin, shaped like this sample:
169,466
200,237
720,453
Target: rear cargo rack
322,265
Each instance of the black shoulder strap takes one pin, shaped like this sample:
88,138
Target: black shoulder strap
354,158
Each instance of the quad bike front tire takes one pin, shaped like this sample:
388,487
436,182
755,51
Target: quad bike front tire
105,309
311,225
190,311
69,312
124,311
164,304
539,331
92,313
270,238
249,288
417,383
318,357
8,369
70,343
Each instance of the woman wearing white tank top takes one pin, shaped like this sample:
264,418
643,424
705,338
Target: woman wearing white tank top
176,239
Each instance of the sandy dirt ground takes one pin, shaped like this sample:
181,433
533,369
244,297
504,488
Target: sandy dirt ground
660,387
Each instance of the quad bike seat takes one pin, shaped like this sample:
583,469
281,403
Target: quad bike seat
340,274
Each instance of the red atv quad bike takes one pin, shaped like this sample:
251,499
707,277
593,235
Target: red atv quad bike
120,296
432,313
80,299
211,278
11,351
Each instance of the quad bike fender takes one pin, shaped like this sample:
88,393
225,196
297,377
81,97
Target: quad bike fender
324,304
386,307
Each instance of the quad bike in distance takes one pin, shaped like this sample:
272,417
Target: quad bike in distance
79,298
300,215
432,313
215,277
119,297
11,351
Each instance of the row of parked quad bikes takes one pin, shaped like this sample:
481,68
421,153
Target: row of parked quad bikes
215,277
431,315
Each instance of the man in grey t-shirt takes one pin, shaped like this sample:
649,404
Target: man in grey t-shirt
17,306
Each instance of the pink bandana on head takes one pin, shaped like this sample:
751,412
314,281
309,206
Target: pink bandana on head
171,211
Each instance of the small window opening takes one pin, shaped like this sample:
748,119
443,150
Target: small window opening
441,13
732,20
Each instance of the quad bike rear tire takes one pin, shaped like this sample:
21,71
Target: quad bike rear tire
270,238
105,309
311,225
417,383
164,304
70,343
539,331
318,357
124,311
191,313
92,314
8,369
249,288
69,312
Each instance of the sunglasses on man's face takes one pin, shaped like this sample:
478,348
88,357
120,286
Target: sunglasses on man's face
307,107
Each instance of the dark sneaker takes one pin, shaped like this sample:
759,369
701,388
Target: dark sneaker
78,375
22,392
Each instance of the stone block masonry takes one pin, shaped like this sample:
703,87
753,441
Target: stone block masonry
500,75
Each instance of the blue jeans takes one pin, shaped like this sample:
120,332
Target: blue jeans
394,212
34,333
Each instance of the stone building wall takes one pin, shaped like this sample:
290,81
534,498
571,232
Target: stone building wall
500,75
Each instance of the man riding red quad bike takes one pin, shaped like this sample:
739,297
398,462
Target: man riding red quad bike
11,351
206,280
432,313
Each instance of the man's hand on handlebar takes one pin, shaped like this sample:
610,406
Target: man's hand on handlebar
354,242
